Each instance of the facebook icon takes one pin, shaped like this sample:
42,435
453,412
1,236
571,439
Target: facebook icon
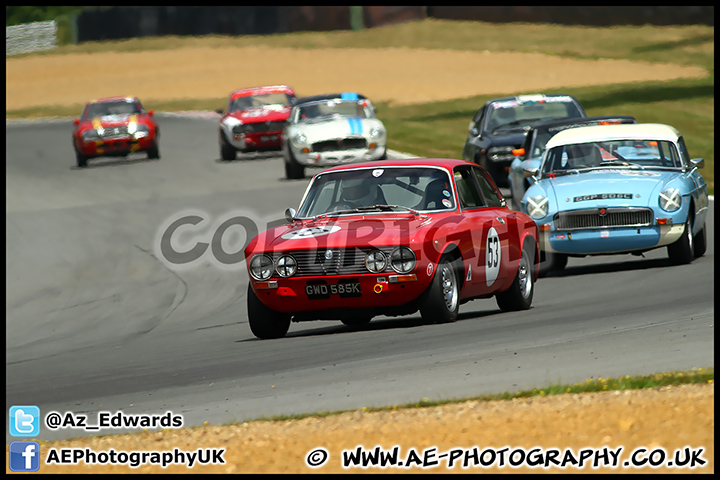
24,421
24,456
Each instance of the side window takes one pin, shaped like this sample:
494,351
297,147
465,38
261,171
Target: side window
488,192
478,120
467,191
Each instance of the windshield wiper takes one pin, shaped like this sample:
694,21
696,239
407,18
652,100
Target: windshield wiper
624,163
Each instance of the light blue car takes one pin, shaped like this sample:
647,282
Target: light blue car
615,189
529,155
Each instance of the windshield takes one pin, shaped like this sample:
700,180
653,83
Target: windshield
512,115
616,154
243,103
332,107
402,188
120,107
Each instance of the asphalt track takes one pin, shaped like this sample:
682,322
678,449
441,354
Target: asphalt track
96,321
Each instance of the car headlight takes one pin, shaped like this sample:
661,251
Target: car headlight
286,266
90,135
670,199
261,267
402,260
375,261
139,130
299,140
239,129
537,206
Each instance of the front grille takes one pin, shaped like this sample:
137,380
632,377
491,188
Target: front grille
111,132
340,144
501,154
341,261
261,127
613,217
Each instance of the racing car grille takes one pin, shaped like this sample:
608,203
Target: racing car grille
340,144
603,218
110,132
260,127
333,261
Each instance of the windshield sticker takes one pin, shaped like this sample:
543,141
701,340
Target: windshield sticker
376,173
604,196
446,193
310,232
447,203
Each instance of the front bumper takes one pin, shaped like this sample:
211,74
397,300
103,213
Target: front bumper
116,146
339,157
377,292
256,141
610,240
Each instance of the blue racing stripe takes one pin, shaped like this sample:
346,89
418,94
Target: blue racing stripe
355,126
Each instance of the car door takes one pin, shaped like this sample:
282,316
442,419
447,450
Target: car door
699,192
485,271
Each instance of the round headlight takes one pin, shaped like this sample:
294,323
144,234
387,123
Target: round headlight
402,260
261,267
670,199
537,206
299,140
286,266
92,134
375,261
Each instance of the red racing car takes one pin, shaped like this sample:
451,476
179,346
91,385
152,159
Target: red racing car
391,238
115,126
254,120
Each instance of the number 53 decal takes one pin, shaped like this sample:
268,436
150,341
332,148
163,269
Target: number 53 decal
492,256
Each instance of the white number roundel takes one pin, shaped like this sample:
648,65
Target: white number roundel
492,256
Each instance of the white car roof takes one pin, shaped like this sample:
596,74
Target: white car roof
594,133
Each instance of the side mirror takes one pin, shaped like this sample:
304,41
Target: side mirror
530,172
698,162
219,110
290,215
151,112
76,121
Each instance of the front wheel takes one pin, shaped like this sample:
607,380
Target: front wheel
683,250
700,242
265,322
227,151
153,153
81,159
293,169
520,294
442,300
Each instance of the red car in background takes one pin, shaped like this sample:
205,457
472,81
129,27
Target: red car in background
391,238
254,120
115,126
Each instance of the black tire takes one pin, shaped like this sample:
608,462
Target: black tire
265,323
520,294
442,298
700,242
154,152
81,159
554,262
293,169
683,250
227,151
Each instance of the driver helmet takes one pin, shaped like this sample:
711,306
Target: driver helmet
358,192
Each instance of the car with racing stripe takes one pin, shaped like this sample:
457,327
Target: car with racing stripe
332,129
254,120
529,155
618,189
114,126
391,238
501,124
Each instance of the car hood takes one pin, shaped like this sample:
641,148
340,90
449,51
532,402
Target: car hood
270,113
337,128
602,187
342,232
513,138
